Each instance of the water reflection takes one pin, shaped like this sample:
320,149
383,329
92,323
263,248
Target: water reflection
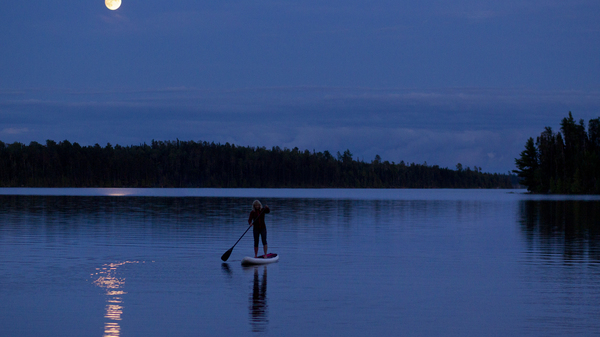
108,280
258,302
569,228
561,269
226,269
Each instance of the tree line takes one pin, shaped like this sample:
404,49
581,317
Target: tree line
565,162
202,164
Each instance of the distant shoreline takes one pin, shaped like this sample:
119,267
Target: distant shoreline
278,193
190,164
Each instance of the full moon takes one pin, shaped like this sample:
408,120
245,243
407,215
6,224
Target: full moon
112,4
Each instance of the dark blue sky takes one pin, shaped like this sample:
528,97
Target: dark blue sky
436,81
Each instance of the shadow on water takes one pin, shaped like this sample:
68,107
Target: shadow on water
569,228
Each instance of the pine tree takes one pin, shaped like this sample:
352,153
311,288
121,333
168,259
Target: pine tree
527,166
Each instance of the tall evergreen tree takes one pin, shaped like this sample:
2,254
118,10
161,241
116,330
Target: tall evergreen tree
527,167
566,162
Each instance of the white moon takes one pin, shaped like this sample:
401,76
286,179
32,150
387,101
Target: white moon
112,4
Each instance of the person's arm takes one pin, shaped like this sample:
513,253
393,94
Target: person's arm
266,210
251,218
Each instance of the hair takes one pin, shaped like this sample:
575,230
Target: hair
256,202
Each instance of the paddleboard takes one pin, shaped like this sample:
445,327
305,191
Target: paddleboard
270,258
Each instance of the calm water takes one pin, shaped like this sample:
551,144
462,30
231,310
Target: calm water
127,262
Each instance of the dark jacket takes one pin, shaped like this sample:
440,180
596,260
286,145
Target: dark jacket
259,223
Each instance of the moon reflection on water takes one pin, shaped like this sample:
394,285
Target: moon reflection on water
108,280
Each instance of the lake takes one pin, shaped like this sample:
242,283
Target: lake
146,262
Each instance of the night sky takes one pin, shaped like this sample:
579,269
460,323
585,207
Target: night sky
442,82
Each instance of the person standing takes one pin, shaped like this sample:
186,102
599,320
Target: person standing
257,219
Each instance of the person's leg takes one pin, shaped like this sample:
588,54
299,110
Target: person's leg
264,240
256,234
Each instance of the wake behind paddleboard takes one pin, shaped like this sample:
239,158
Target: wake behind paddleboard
270,258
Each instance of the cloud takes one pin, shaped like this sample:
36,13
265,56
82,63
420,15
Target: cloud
476,127
14,131
436,147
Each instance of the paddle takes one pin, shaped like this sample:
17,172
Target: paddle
227,253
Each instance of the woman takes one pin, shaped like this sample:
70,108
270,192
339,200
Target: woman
257,219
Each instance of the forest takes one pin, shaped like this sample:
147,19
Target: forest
565,162
202,164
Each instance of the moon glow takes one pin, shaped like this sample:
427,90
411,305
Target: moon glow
112,4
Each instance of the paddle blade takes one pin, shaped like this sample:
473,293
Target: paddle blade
226,255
